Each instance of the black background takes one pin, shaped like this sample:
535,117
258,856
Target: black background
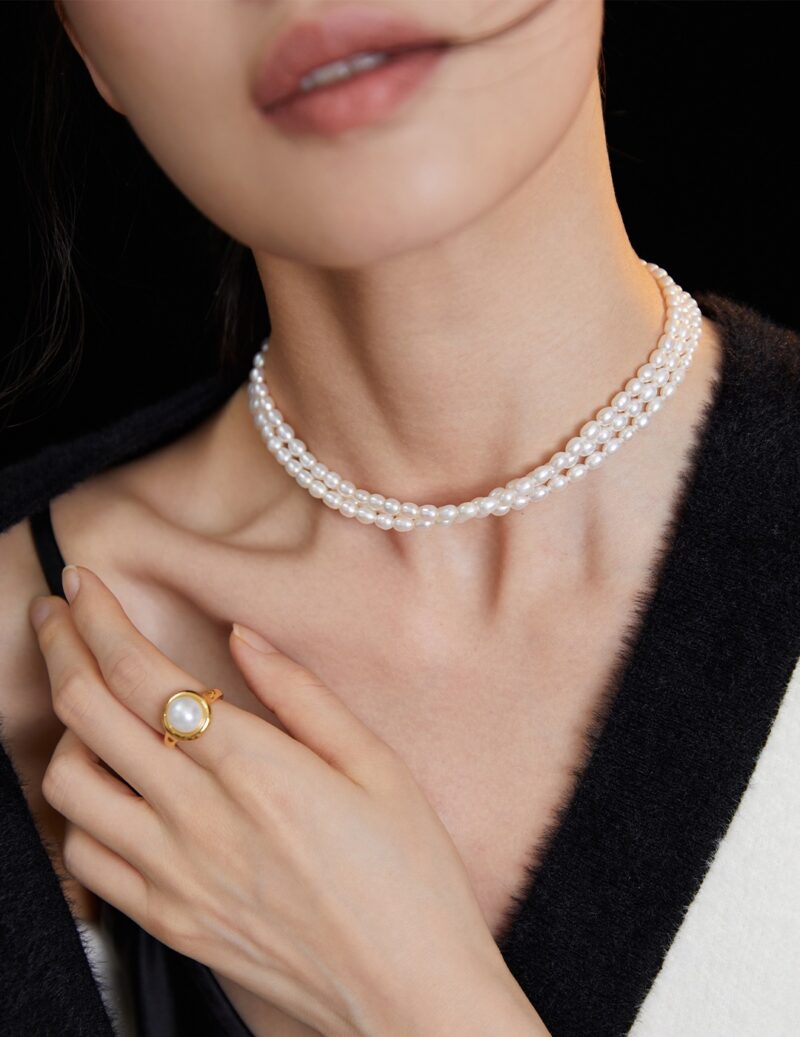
701,118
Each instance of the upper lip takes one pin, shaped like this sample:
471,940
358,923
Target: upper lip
339,33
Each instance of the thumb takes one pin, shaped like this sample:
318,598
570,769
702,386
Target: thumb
309,710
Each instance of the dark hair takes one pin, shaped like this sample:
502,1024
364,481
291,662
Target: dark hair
66,113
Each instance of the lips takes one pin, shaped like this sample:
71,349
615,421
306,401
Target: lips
339,33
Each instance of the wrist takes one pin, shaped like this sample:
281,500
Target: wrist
470,999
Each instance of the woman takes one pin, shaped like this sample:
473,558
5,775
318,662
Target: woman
554,701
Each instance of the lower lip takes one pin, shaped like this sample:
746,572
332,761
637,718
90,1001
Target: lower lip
366,98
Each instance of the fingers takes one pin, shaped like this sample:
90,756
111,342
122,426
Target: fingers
311,712
140,677
83,791
83,703
105,873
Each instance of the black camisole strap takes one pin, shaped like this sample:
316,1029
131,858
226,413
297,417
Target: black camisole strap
44,540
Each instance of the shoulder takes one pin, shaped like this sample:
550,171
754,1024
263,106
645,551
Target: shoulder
28,485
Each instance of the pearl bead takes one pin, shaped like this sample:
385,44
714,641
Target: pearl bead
185,714
630,410
365,515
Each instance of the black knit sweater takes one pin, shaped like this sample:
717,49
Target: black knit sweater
698,682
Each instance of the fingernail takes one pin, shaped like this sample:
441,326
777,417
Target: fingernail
70,581
40,610
253,639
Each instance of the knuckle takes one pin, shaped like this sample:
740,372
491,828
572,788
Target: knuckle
168,922
73,850
386,767
126,671
56,781
72,698
50,631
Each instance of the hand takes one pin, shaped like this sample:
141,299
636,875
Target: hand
306,865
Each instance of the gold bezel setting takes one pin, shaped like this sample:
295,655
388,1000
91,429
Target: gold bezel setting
186,736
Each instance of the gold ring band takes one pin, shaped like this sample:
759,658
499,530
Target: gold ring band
187,714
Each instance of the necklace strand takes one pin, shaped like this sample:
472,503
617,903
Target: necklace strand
628,411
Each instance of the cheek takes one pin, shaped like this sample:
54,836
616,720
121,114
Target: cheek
488,119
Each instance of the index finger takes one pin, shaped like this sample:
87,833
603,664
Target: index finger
142,677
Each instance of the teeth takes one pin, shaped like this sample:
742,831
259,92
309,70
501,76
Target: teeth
342,69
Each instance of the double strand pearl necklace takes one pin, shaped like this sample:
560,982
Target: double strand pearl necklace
629,410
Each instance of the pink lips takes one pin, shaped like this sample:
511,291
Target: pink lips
341,33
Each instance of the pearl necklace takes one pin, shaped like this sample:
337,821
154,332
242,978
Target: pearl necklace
629,410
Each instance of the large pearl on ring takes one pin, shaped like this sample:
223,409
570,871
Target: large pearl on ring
186,714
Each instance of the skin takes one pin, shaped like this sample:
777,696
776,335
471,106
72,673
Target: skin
429,348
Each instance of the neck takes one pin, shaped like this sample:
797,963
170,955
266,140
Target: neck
435,376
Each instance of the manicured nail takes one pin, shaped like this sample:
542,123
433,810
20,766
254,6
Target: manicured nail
70,581
40,610
253,639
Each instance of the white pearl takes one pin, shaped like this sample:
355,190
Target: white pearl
605,415
590,430
185,714
587,446
448,513
402,523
